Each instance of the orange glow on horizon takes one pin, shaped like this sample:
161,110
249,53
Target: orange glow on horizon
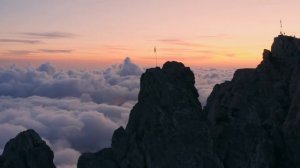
213,33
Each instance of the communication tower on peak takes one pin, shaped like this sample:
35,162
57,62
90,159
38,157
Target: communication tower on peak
281,27
155,52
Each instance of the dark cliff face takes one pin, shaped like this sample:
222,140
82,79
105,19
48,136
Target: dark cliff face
254,117
166,128
27,150
249,122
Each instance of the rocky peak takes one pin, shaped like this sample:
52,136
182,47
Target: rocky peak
284,57
166,128
286,47
165,92
23,141
251,116
27,150
173,76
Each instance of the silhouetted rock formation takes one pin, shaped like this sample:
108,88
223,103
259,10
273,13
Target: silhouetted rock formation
249,122
167,127
255,116
27,150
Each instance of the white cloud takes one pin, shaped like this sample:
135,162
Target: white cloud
66,157
206,79
48,68
116,85
129,68
74,111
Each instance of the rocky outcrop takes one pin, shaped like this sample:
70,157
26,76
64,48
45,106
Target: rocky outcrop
167,127
249,122
27,150
254,117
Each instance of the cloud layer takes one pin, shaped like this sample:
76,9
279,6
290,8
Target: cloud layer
20,41
76,111
69,125
116,85
48,35
206,78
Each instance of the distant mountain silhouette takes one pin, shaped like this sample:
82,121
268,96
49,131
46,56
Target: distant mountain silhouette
249,122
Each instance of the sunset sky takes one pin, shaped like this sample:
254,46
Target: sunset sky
97,33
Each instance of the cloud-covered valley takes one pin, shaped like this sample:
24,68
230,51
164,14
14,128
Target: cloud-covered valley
77,111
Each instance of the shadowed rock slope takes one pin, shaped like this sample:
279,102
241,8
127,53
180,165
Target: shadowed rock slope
249,122
167,127
27,150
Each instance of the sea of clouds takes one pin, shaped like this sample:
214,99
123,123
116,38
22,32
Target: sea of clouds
77,111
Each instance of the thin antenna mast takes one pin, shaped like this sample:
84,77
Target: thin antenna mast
280,27
155,52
